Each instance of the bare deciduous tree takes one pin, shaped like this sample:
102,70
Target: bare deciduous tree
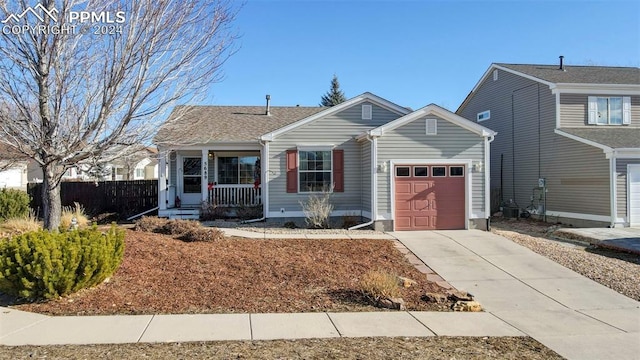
70,94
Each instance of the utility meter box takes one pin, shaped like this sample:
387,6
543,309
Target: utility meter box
542,182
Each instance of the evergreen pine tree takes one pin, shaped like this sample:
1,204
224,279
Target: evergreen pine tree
334,96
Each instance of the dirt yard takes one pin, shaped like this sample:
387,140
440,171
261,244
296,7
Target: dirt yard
163,275
468,348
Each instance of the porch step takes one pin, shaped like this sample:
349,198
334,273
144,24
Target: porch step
180,213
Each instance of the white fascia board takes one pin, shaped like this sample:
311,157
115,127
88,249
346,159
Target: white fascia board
436,110
626,153
604,148
367,96
596,89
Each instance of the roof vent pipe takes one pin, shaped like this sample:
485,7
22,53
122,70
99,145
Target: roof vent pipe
562,63
268,112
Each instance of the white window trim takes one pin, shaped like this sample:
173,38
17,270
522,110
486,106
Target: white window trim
592,110
449,174
435,126
440,166
420,166
495,74
315,148
402,166
487,112
217,163
367,112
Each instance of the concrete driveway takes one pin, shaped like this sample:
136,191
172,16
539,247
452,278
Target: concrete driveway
625,239
576,317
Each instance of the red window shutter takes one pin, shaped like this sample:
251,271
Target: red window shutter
338,170
292,171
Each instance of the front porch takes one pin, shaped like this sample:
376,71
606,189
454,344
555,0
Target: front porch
219,175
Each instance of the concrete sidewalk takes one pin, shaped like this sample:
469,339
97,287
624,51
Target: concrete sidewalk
574,316
621,239
348,235
20,328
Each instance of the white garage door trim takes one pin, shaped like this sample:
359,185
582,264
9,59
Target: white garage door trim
468,197
633,194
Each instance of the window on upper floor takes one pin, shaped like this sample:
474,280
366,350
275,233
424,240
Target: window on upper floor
612,110
485,115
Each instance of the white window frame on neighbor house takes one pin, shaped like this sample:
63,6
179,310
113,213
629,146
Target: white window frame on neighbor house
139,173
597,115
483,116
328,149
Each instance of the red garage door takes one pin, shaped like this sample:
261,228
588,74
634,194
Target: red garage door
429,197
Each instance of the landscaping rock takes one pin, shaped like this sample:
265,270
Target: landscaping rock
470,306
456,295
392,303
406,282
434,298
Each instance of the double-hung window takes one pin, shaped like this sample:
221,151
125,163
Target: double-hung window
315,173
611,110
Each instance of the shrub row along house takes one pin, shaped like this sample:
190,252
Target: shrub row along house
569,138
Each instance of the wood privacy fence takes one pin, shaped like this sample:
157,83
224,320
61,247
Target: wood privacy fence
125,198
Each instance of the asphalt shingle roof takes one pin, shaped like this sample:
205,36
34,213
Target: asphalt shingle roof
205,124
616,138
580,74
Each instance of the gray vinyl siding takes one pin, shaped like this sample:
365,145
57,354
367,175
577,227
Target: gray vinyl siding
523,115
621,184
366,175
577,178
340,130
573,110
409,142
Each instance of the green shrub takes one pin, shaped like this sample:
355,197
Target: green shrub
13,204
47,265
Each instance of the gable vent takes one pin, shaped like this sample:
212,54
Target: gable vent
431,126
366,112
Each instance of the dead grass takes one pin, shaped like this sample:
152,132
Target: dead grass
21,225
380,284
70,212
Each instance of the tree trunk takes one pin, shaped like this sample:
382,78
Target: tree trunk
51,201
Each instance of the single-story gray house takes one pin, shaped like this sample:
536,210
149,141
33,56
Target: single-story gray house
395,168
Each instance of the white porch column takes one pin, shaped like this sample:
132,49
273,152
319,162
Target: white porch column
205,174
162,180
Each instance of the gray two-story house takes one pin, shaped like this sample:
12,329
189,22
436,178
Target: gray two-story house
569,143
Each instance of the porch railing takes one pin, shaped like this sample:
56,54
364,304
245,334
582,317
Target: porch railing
235,195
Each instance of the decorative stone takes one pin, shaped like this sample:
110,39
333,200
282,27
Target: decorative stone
469,306
455,295
406,282
434,298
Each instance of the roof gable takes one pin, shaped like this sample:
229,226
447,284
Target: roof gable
367,96
435,110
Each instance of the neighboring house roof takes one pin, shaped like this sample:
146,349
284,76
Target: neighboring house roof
433,110
579,74
11,154
614,138
585,79
205,124
364,97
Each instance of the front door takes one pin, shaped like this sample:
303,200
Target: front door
191,193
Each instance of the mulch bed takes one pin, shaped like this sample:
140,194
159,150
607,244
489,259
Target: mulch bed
163,275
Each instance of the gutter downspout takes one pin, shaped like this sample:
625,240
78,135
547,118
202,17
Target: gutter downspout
374,183
265,182
487,179
613,188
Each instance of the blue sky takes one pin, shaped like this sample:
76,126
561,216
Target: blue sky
413,52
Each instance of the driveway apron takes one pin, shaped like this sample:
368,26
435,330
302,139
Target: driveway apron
572,315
